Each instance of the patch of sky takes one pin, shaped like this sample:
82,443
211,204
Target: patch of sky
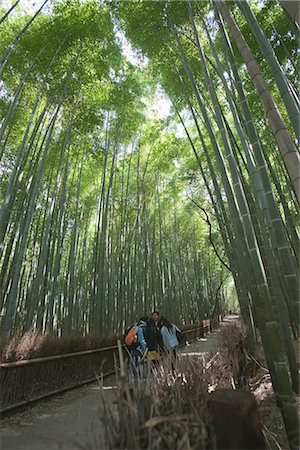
5,92
159,107
28,6
176,127
226,76
211,24
133,56
261,3
116,77
126,149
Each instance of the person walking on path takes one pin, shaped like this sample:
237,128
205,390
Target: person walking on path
155,317
170,342
151,334
136,345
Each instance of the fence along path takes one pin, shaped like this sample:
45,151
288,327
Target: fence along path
72,420
56,374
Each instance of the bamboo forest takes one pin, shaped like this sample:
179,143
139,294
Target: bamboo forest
149,161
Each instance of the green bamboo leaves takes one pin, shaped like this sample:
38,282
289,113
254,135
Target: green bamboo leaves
107,214
93,232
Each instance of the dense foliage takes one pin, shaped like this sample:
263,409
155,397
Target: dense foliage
96,224
110,210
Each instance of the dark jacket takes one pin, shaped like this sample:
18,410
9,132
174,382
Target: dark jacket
151,337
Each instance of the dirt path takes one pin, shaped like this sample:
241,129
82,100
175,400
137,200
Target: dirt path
210,342
66,422
71,421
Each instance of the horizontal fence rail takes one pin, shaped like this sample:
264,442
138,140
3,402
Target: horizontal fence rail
27,381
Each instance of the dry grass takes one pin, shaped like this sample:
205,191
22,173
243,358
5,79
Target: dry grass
35,345
165,410
233,339
233,335
261,387
252,373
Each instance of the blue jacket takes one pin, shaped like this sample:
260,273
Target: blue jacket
140,335
169,337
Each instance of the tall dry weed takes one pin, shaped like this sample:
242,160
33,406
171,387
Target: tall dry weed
234,340
164,410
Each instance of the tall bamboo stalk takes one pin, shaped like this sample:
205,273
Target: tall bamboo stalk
285,143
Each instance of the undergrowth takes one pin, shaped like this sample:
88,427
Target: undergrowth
34,344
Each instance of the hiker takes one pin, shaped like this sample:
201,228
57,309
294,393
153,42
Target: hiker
151,334
155,317
136,345
168,331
